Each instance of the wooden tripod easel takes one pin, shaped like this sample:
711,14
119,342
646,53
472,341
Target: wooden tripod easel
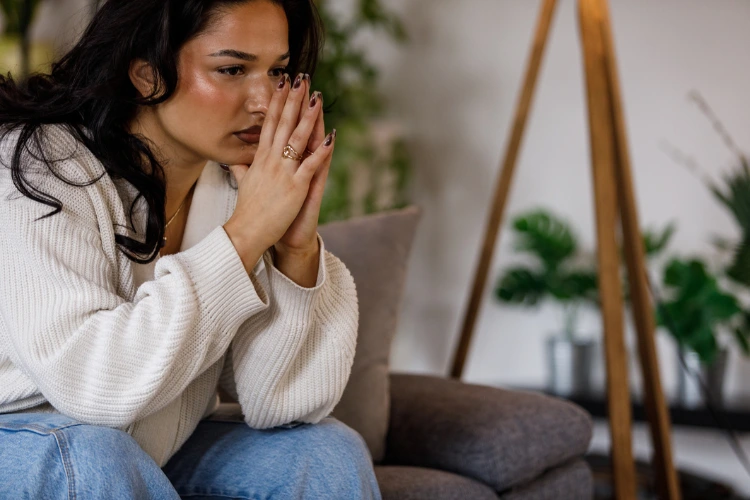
614,197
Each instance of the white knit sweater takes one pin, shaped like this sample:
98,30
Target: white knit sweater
87,333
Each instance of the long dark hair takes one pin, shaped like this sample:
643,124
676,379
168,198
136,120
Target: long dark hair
90,93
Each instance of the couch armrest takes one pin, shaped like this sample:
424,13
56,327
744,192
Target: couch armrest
502,438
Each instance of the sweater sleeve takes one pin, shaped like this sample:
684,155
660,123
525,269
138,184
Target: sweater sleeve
94,355
292,361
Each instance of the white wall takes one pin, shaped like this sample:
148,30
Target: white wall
61,21
455,88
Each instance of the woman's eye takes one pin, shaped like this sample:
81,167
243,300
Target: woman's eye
231,71
278,72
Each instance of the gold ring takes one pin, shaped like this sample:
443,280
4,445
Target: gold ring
290,153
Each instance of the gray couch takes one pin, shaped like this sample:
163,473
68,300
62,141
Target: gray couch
451,440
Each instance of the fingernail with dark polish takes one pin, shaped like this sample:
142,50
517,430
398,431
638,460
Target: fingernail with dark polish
224,166
330,138
314,99
298,81
282,83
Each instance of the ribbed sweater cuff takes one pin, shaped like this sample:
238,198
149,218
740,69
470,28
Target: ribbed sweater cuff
228,293
295,301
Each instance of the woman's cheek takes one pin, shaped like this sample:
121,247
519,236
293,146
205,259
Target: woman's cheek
208,95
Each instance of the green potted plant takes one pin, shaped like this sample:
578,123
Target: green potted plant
553,274
371,168
18,55
696,310
698,342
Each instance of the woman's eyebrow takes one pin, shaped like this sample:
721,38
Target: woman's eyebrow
238,54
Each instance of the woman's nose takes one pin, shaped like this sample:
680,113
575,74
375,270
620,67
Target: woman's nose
259,96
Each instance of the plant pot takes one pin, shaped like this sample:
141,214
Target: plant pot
689,391
569,366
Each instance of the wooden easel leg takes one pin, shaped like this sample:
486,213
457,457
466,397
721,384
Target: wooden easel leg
610,288
655,403
500,198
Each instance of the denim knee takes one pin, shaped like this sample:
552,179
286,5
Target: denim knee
94,461
112,460
341,459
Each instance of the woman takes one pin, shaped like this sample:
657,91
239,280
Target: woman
161,272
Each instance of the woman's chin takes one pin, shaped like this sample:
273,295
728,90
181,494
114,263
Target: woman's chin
247,154
243,159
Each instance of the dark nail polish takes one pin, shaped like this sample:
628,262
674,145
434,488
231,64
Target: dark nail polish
224,166
297,82
330,138
314,100
282,83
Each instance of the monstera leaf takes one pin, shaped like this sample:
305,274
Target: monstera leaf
575,285
546,236
521,285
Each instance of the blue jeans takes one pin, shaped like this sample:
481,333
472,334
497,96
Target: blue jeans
50,456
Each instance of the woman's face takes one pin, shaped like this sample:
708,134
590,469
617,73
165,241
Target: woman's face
226,76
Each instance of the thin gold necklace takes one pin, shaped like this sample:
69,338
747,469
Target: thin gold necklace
164,239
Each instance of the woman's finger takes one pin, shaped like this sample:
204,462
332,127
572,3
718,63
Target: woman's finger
319,131
308,86
290,114
310,166
275,108
318,183
301,135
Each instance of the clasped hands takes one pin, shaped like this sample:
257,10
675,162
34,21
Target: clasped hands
279,198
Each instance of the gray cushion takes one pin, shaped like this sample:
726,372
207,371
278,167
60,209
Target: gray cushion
416,483
498,437
573,481
375,248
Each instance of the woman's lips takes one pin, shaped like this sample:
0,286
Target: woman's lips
248,137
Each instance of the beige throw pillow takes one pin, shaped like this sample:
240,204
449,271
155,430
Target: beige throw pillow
375,248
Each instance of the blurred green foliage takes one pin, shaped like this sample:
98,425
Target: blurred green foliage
18,15
553,273
558,271
733,193
698,308
348,81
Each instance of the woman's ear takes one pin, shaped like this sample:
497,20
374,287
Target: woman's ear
142,76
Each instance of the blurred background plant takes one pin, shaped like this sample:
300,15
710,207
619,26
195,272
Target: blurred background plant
559,271
371,169
698,309
18,55
555,271
703,303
